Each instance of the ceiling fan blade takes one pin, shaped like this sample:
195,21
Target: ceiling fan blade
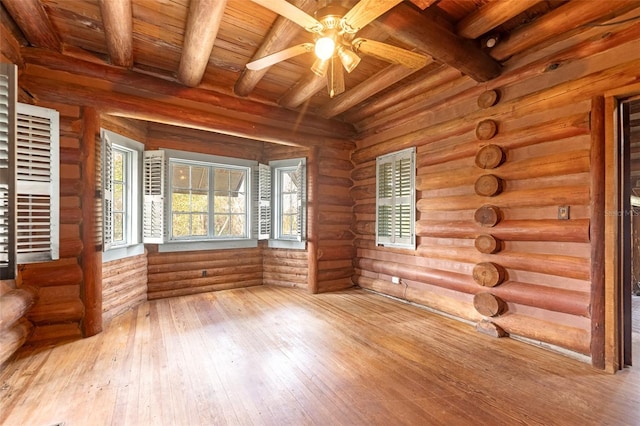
389,53
289,11
335,78
366,11
267,61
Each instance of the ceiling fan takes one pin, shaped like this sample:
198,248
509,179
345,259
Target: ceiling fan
335,43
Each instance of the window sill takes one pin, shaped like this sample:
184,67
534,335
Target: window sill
288,244
205,245
116,253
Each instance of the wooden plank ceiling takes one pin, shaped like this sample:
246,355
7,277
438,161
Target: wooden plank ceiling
205,44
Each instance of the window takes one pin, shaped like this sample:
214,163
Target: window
395,199
29,179
289,203
208,201
121,195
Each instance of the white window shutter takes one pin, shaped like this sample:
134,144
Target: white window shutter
264,202
37,184
8,76
395,199
300,179
153,197
404,214
384,198
107,192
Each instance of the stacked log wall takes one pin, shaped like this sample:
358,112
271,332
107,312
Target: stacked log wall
542,118
59,310
124,285
15,328
180,273
286,267
190,272
124,281
334,220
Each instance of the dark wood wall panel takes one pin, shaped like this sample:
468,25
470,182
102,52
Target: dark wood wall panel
542,126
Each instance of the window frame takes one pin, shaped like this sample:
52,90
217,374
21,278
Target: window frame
394,200
211,214
132,245
127,199
278,168
170,244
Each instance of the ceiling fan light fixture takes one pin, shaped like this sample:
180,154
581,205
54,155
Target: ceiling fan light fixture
320,67
349,58
325,48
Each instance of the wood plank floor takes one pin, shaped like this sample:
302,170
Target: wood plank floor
276,356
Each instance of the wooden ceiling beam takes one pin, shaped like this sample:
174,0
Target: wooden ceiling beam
423,4
12,39
567,17
45,86
281,36
220,104
117,18
308,86
374,84
34,23
411,27
203,24
440,75
490,16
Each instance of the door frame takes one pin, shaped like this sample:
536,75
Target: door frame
613,294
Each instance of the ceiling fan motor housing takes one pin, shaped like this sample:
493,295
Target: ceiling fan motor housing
330,16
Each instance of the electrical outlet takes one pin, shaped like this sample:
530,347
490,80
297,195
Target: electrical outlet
395,280
563,212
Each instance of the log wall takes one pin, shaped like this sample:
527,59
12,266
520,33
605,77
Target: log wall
333,220
182,273
59,311
124,281
124,285
541,121
287,267
15,329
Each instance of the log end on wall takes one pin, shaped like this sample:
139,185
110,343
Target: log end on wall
487,216
489,305
490,329
488,274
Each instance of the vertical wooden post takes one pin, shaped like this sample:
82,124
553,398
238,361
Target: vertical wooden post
597,232
91,258
312,219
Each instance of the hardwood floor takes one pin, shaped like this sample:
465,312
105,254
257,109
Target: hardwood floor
276,356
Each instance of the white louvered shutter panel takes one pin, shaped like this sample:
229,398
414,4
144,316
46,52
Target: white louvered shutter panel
395,199
153,197
264,202
384,199
107,192
7,180
37,184
404,196
300,179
